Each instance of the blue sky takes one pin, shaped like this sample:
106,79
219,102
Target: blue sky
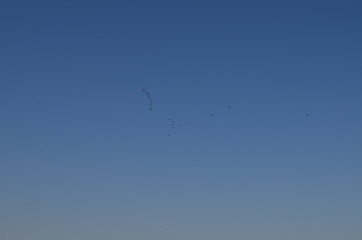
82,157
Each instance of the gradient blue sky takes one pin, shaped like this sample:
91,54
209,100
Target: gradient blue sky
82,157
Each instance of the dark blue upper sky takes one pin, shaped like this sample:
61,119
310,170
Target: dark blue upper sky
82,157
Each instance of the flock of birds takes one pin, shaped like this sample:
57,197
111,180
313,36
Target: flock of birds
150,104
173,123
171,120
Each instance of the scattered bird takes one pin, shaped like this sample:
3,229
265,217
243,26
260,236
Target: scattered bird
174,125
172,122
229,106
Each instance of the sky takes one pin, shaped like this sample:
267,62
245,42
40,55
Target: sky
271,92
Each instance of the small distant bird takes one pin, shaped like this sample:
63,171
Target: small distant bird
211,115
229,106
307,115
